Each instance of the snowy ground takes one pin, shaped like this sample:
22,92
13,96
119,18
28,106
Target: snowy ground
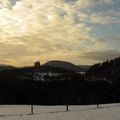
105,112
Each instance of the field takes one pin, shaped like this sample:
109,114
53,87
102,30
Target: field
105,112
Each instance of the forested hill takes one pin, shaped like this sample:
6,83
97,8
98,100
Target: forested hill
108,70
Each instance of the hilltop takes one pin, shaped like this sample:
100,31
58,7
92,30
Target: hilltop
62,64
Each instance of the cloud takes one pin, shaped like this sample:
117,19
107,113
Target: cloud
5,4
102,55
106,1
42,29
28,17
101,18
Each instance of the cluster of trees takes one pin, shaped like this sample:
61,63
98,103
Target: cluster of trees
109,71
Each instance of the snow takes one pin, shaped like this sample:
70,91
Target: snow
91,112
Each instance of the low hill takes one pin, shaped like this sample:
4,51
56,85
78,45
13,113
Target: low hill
5,67
62,64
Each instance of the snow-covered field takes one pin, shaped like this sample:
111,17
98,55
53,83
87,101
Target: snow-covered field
105,112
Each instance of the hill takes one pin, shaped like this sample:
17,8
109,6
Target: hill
62,64
5,67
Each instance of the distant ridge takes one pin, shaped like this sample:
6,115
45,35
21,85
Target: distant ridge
6,67
62,64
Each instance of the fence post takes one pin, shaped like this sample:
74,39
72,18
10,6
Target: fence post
97,105
67,107
32,110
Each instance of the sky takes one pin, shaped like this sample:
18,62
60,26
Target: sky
79,31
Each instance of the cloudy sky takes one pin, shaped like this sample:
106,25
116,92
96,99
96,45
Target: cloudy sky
78,31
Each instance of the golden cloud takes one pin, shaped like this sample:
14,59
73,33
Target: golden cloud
42,29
